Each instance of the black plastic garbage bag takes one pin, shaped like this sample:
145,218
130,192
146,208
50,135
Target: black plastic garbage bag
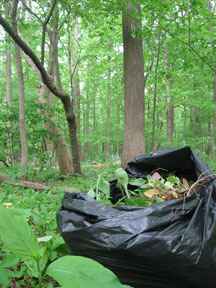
168,245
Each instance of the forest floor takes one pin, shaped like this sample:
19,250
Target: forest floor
43,205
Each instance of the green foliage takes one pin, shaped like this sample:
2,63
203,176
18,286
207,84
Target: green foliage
185,78
17,236
122,180
22,246
187,35
82,272
101,190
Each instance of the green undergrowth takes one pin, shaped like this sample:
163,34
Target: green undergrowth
43,205
40,209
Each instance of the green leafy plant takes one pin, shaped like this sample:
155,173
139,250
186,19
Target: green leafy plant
82,272
101,190
21,245
122,181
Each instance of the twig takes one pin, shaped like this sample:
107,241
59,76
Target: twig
31,12
44,28
195,184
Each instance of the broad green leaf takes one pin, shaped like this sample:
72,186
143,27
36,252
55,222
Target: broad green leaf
81,272
137,182
9,261
17,236
5,277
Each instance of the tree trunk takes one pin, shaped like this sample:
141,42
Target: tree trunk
63,155
170,104
133,84
72,128
9,154
87,127
8,74
108,125
21,92
77,95
155,121
74,72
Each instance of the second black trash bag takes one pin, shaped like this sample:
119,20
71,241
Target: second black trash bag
169,245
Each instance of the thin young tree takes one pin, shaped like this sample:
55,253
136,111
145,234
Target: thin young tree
21,91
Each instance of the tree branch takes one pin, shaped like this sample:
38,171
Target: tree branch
149,69
191,48
30,11
44,27
47,80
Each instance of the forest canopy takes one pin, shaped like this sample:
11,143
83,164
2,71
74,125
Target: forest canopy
80,46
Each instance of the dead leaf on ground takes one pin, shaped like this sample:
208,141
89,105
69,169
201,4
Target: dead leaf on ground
151,193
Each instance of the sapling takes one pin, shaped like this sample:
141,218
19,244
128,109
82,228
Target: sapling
122,181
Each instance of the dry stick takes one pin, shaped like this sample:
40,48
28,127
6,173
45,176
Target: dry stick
212,176
37,186
200,179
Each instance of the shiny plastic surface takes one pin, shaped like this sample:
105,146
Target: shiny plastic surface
169,245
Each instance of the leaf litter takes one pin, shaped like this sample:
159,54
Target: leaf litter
154,189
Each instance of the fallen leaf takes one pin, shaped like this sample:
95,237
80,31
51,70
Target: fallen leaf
174,194
151,193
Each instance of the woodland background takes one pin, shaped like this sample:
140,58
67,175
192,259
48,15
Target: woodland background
85,86
80,44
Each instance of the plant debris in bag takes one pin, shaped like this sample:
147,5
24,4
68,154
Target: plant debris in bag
171,244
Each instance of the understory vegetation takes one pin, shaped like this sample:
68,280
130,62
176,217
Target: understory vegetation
85,87
30,240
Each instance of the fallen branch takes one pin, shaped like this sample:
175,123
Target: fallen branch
37,186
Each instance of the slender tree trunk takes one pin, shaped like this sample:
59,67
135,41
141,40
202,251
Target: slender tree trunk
118,125
77,95
63,155
8,61
133,84
108,126
8,74
9,155
21,92
87,128
170,104
155,142
74,70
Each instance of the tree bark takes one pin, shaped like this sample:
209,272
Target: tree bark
9,153
170,104
133,84
74,72
21,91
108,126
155,121
8,67
63,155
